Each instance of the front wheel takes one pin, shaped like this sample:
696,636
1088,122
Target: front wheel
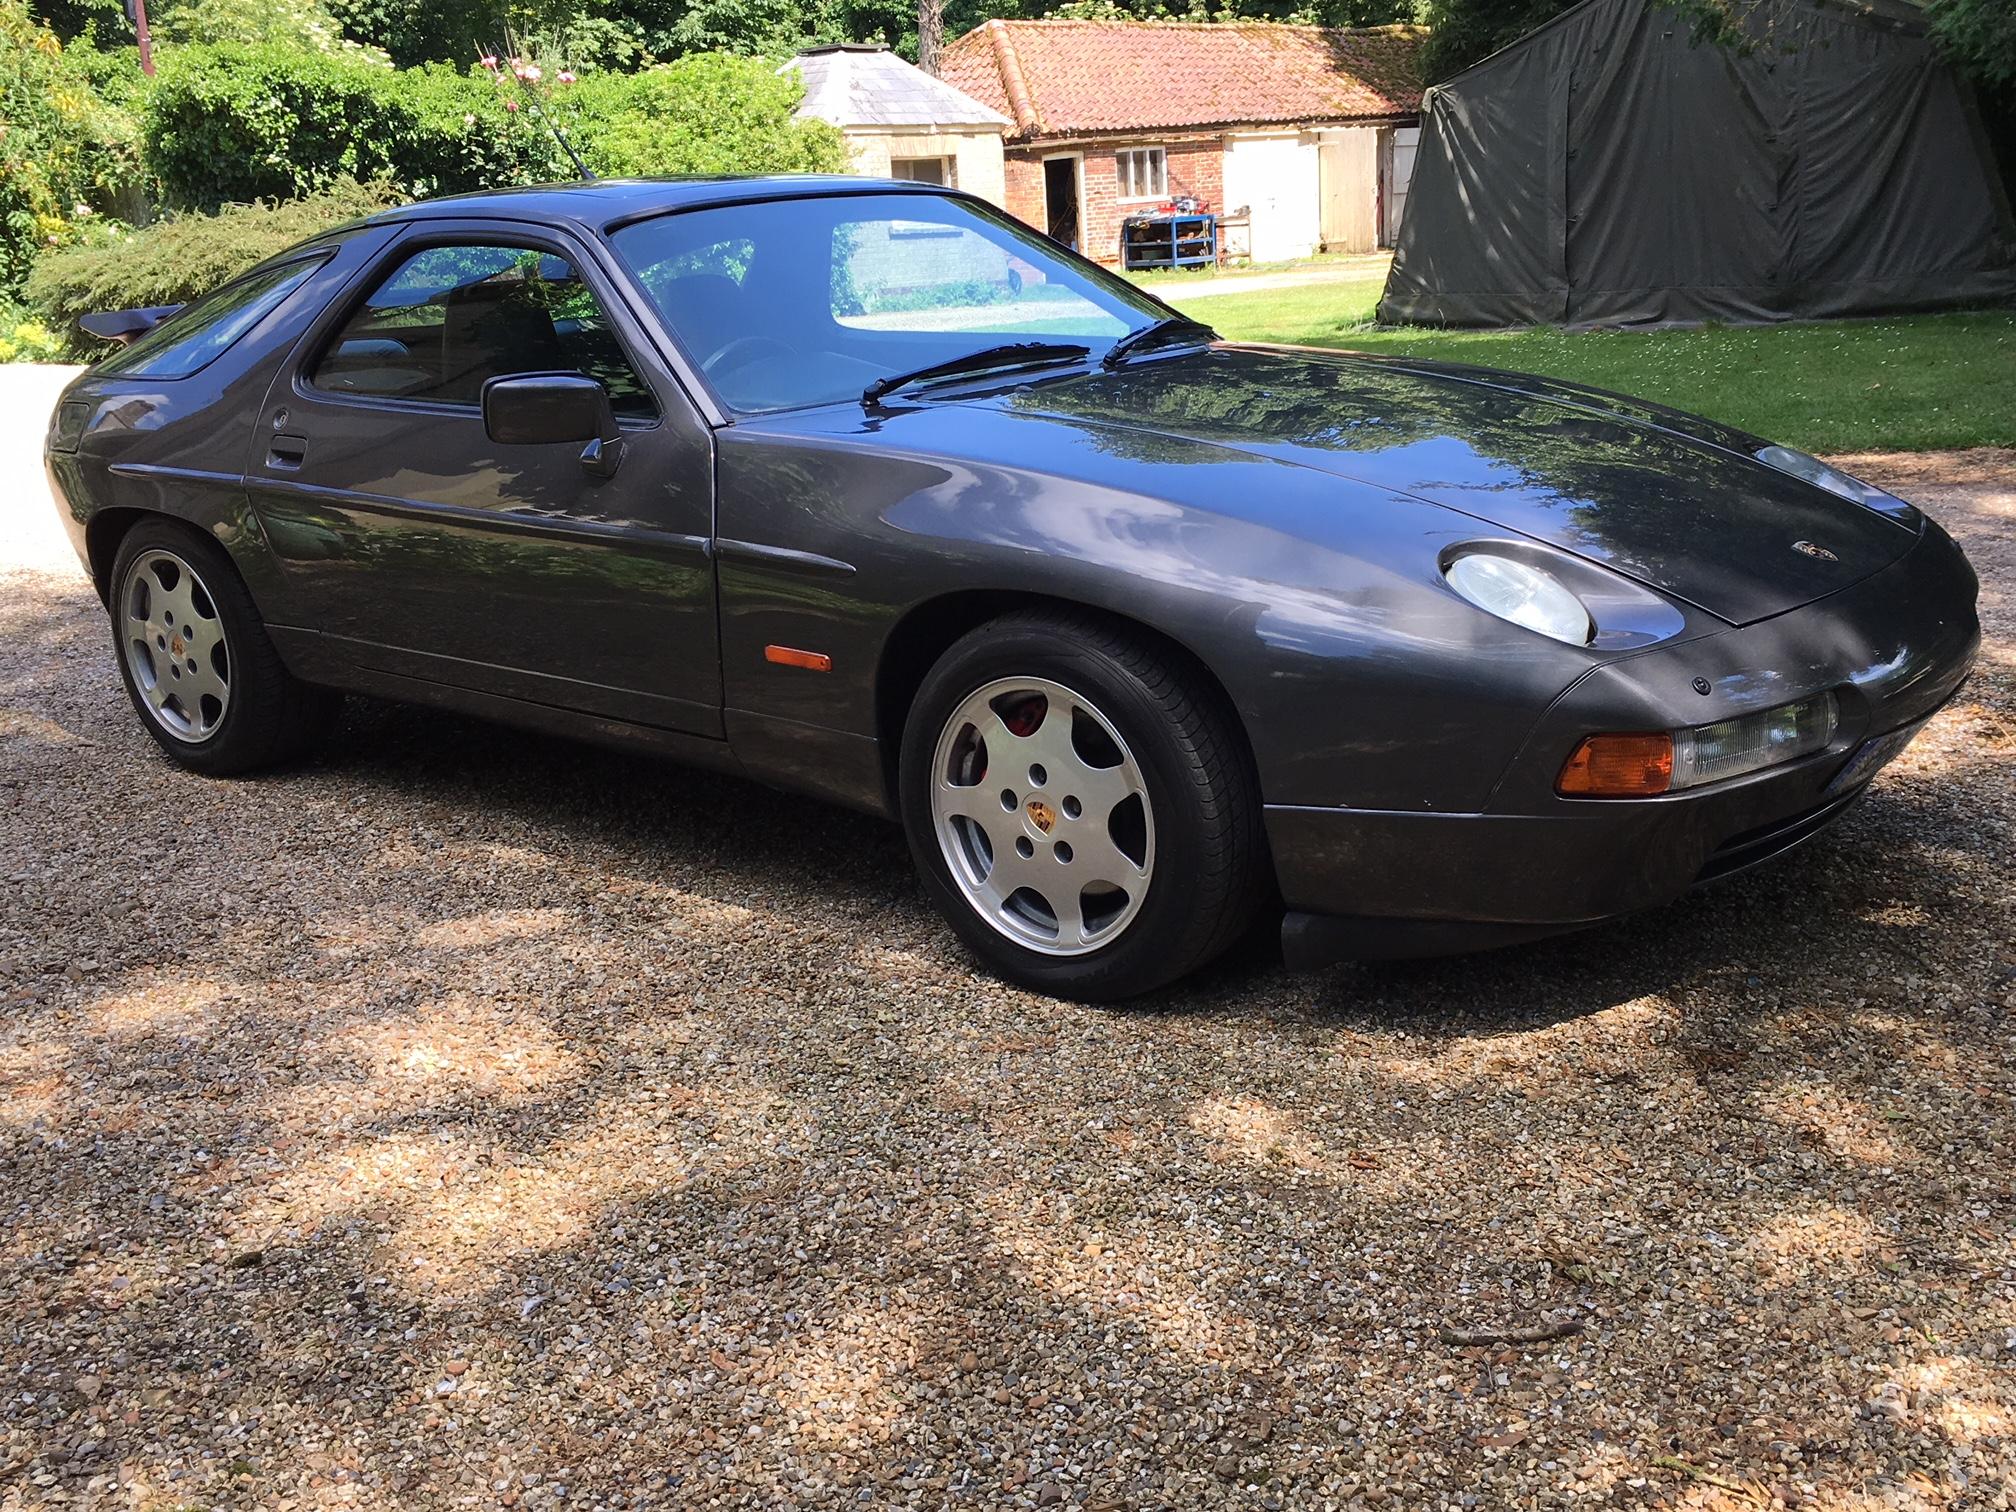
196,660
1081,809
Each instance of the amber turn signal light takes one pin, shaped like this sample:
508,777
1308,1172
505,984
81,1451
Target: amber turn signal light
791,656
1618,766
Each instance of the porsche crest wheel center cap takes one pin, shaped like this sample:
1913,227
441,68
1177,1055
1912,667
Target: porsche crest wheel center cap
1041,815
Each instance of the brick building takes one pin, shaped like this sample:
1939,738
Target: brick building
1302,136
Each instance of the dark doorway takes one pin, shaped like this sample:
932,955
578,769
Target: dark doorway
1060,200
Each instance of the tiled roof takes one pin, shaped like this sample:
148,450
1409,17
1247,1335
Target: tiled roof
866,86
1064,78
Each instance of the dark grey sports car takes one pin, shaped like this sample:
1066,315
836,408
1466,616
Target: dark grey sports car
867,490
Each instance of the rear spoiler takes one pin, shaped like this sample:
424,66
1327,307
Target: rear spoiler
124,326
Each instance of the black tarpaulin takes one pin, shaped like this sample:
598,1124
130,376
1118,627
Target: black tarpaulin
1607,169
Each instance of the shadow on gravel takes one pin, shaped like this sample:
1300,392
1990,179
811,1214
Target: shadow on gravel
470,1115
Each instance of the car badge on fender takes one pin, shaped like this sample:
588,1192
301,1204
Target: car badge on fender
1813,549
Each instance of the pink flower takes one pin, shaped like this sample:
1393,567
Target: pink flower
566,76
489,61
531,73
510,104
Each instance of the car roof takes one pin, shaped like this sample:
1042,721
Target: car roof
598,203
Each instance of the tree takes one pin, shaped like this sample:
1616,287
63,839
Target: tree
66,156
1979,36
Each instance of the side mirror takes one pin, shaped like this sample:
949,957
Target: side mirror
554,409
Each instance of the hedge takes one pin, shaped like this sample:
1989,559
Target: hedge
175,260
707,113
240,122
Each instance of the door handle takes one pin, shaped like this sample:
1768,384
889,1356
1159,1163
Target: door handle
287,451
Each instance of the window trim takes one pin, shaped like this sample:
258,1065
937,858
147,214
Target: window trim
1160,155
948,169
422,236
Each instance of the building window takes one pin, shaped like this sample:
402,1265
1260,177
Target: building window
1144,173
931,170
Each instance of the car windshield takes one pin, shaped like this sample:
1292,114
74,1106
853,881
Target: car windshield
809,300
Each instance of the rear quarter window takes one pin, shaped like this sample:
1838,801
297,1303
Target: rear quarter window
192,339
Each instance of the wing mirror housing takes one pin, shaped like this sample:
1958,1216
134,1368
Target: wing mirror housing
554,409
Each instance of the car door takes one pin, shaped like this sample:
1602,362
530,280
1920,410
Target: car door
419,548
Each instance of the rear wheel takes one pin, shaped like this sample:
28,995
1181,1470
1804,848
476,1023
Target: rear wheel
196,659
1082,811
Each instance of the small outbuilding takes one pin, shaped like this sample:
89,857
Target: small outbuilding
1609,169
1294,137
900,122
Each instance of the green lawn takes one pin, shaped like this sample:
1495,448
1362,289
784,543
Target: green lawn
1914,383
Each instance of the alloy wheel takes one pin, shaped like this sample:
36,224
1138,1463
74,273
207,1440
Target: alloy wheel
1043,816
175,646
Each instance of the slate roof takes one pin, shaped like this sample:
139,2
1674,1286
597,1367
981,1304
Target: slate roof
1065,78
854,85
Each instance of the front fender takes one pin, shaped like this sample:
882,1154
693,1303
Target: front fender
1316,603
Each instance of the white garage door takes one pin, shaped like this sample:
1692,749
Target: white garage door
1276,177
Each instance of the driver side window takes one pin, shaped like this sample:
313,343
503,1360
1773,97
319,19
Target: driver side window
449,318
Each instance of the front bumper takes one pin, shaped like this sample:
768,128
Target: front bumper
1379,884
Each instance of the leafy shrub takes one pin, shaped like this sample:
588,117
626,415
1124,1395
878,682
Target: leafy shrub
66,156
175,260
25,339
305,24
707,113
239,122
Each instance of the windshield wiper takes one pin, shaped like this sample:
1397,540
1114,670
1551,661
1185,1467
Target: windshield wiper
1010,354
1136,340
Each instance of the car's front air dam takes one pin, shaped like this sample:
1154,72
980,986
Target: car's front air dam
1362,884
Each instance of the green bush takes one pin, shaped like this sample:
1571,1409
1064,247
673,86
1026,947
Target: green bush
66,156
175,260
26,339
305,24
239,122
707,113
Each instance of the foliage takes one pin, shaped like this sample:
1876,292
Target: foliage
603,33
103,19
23,338
66,156
1979,36
1460,32
174,260
627,33
240,122
306,24
708,113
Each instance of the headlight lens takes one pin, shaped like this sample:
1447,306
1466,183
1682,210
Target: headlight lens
1646,765
1523,594
1820,475
1710,753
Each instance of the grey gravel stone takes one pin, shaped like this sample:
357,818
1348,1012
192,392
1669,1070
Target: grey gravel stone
615,1136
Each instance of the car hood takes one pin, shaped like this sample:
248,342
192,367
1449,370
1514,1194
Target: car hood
1675,502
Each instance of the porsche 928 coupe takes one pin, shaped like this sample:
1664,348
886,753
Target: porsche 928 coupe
867,490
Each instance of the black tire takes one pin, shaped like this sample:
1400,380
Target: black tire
1209,872
271,716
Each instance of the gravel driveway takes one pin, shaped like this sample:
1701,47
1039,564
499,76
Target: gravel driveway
472,1119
